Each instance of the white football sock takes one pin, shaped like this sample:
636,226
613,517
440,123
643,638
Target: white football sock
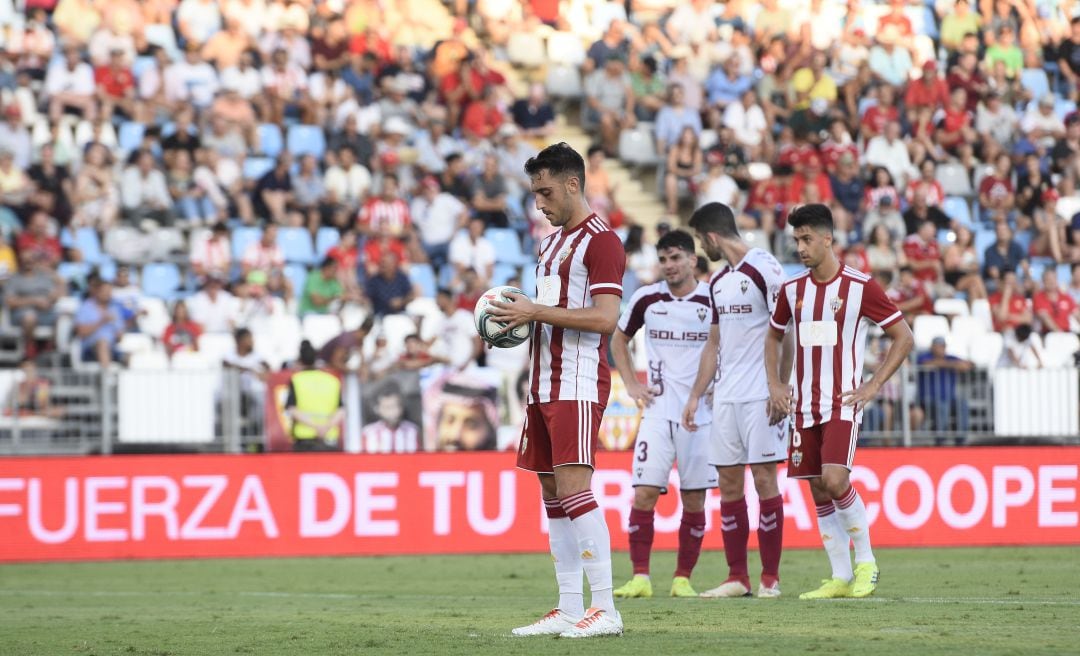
564,551
594,547
853,519
836,544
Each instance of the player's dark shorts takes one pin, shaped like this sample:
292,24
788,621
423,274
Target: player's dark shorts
559,433
831,443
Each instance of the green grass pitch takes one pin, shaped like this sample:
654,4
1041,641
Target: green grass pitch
930,601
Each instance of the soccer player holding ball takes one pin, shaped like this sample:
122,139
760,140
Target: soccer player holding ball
578,290
675,314
746,428
831,306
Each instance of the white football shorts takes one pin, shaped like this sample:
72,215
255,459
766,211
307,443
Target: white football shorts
660,444
741,435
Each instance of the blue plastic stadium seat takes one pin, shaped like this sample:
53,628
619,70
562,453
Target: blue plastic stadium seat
984,239
257,167
106,268
793,270
295,244
161,280
325,239
957,209
242,238
130,136
306,140
423,276
142,64
271,142
73,271
86,240
296,274
528,280
502,273
1064,274
507,245
1035,81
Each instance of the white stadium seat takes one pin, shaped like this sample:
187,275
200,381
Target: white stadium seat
927,327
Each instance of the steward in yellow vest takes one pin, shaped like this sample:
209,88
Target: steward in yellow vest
314,405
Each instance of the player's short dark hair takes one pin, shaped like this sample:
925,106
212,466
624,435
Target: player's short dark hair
559,160
241,333
680,239
714,218
814,216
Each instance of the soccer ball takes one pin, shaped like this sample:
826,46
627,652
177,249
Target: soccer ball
488,328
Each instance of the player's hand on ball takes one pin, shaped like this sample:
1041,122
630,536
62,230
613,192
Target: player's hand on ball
517,313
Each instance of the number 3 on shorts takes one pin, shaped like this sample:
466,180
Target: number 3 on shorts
643,448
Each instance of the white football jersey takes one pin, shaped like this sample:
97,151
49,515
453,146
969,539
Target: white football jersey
676,329
743,298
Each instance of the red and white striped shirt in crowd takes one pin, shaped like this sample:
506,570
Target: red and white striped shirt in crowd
831,319
258,257
380,438
381,216
574,266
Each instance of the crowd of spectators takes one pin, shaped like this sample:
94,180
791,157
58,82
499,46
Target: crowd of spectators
312,157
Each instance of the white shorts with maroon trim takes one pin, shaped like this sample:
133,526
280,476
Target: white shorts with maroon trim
741,435
660,444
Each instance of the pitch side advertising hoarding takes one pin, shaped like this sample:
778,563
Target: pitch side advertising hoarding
94,508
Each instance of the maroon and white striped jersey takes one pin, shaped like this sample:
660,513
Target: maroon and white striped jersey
831,319
377,437
574,266
391,217
743,296
676,329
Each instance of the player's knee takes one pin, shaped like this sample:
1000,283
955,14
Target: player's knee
836,481
693,501
645,497
732,483
765,481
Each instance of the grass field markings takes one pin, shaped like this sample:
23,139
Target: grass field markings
344,595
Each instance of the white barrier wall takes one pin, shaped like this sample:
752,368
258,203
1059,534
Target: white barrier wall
1042,402
167,406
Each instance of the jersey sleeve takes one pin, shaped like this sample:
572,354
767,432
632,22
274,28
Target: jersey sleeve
774,280
877,306
781,314
605,260
633,318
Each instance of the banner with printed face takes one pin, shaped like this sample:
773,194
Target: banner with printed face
323,504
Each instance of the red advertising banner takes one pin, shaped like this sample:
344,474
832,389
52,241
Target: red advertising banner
322,504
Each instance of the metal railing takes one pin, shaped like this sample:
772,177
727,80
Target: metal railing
926,405
84,412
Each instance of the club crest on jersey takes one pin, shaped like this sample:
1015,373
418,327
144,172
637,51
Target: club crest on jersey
565,254
835,304
796,458
744,285
702,313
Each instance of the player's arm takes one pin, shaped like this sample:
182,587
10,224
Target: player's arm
705,374
624,363
902,342
600,318
779,405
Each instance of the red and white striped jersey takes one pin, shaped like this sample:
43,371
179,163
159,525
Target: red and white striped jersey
831,319
380,438
743,297
381,216
676,329
574,266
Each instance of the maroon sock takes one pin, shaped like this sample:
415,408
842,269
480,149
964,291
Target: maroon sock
691,532
735,527
770,535
641,539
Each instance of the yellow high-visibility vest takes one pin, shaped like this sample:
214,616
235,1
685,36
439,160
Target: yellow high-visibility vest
318,394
